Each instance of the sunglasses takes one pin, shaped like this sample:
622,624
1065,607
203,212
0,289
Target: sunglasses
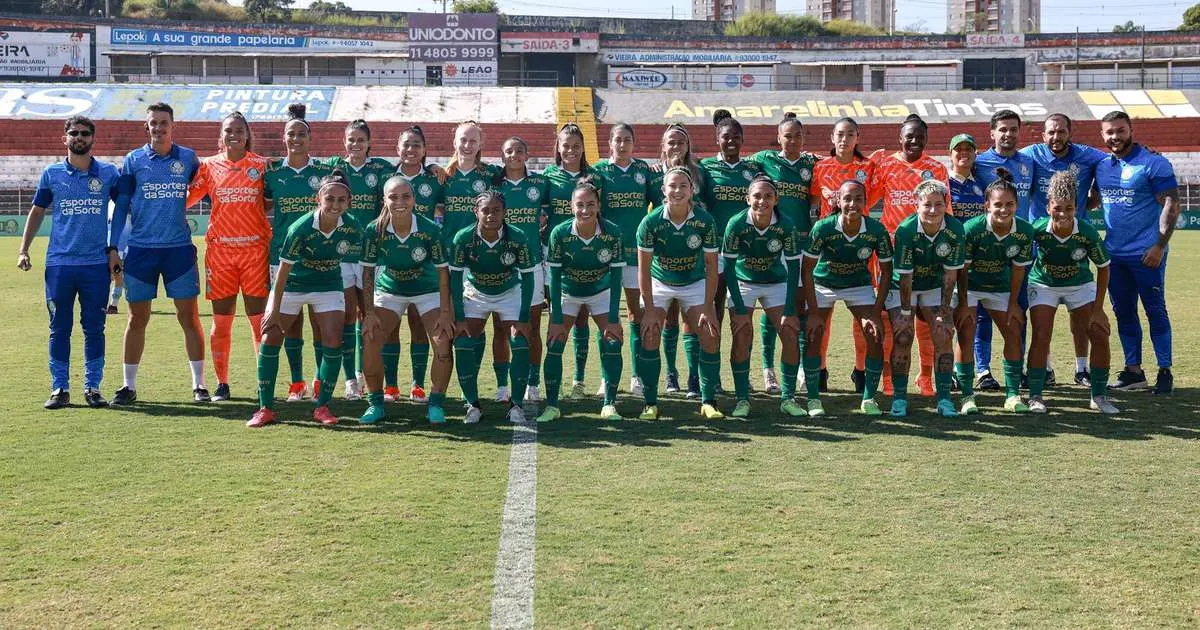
73,133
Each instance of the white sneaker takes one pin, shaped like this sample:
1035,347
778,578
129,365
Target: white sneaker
771,381
635,386
353,391
515,415
1037,405
532,394
600,392
502,394
1101,404
473,415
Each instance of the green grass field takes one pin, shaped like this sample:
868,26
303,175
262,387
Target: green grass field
175,514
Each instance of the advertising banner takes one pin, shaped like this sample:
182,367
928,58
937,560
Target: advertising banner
128,102
692,78
689,57
439,37
49,54
549,42
156,38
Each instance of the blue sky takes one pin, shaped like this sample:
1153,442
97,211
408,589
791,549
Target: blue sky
1057,15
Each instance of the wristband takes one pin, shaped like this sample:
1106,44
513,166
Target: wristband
907,312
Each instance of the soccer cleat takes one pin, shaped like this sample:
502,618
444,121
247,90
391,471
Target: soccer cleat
1128,379
532,394
1014,404
635,386
94,398
609,413
710,411
323,415
111,310
124,396
391,394
1037,405
945,409
373,414
741,409
925,386
824,385
416,394
502,394
1051,380
792,408
352,390
1083,379
870,407
770,381
436,415
1165,383
58,399
672,383
316,388
649,412
986,382
515,415
578,391
222,392
899,408
1101,404
859,378
693,387
262,418
549,414
474,414
201,395
815,408
968,406
297,391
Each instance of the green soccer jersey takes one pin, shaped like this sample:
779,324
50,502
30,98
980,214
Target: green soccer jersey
1064,262
292,193
758,255
586,264
426,191
561,185
316,257
493,268
626,199
410,263
842,261
366,187
524,203
925,257
725,185
678,250
792,181
656,184
459,196
990,257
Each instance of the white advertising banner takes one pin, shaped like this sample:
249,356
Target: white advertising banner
49,54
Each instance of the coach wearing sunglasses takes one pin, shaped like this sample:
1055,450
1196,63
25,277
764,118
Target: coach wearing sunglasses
75,192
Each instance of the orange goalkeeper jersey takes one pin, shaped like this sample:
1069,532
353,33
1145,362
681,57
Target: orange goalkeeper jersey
895,179
829,174
239,217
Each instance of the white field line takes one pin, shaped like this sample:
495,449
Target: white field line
512,598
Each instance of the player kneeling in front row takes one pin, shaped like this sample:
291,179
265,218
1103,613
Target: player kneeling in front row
491,273
310,274
835,268
1061,275
677,262
999,249
586,259
929,256
409,249
762,264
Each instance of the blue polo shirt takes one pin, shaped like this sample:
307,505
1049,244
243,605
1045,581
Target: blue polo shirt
1023,169
966,197
77,202
153,190
1080,157
1129,190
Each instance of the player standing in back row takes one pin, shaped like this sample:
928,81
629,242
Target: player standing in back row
153,192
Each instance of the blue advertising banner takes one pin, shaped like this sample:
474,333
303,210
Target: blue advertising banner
128,102
199,39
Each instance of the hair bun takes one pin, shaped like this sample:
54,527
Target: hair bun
721,115
1004,174
789,116
296,111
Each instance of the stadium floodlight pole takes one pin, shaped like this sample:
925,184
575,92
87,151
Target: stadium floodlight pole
1076,57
